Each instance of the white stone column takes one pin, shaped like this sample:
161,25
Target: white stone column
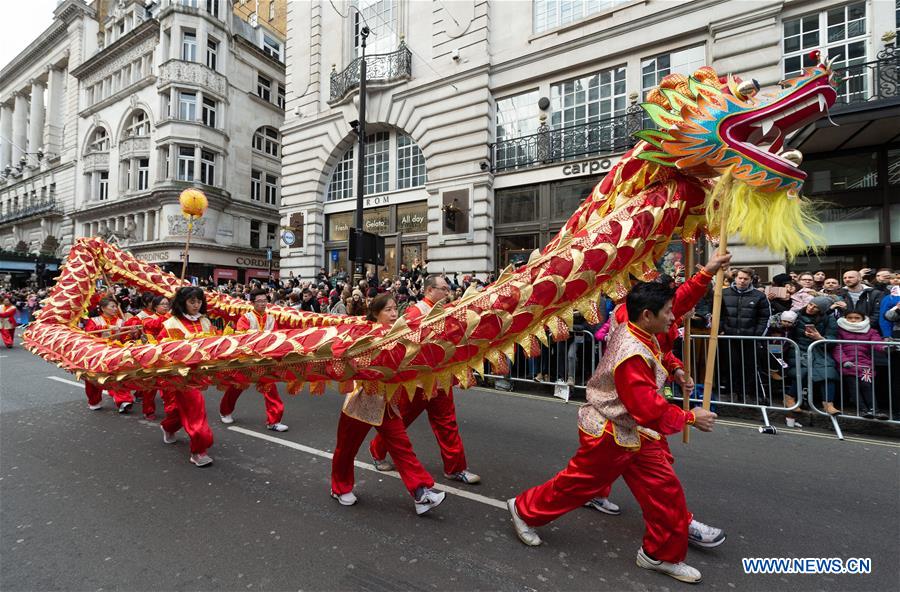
196,163
19,137
36,125
6,115
54,123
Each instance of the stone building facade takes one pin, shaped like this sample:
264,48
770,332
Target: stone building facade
492,120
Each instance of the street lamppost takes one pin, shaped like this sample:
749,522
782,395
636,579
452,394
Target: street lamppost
361,160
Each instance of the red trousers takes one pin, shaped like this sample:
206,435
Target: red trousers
350,435
7,336
187,409
442,417
274,405
94,394
648,474
148,401
665,444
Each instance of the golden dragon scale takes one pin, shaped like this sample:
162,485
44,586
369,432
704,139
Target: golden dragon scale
617,233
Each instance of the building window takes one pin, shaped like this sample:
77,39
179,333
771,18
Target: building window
255,185
212,49
840,34
517,116
684,61
377,162
586,100
254,234
143,174
209,112
341,185
189,46
281,95
207,167
138,125
187,106
271,10
103,185
381,15
549,14
212,7
266,139
410,163
271,47
263,87
125,175
271,190
185,163
99,141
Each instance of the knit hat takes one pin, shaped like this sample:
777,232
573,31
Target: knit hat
781,280
823,302
358,292
788,316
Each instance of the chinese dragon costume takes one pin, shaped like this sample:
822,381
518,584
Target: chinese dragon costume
715,139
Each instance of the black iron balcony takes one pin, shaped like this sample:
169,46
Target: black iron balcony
548,145
870,82
380,68
42,207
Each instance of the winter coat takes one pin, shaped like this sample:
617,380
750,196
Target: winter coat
889,321
868,304
859,355
823,366
744,313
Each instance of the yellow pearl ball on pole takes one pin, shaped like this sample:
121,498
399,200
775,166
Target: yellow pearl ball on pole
193,205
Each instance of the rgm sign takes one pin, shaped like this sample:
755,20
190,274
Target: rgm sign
591,167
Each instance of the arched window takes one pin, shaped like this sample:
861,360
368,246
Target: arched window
394,162
138,124
99,140
267,140
341,186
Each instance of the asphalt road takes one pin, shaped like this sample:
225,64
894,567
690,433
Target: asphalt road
95,501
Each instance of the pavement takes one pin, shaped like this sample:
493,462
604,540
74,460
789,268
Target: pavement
95,501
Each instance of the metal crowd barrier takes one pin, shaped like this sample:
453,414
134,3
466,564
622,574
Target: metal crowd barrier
862,390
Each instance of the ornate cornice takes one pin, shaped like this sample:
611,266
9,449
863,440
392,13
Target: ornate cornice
144,37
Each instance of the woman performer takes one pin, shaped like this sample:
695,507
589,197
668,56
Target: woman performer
7,322
108,325
152,319
359,414
185,407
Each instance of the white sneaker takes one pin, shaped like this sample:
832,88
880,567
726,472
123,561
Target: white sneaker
525,533
465,476
95,407
125,407
168,437
345,499
792,423
705,536
602,504
201,460
227,418
277,427
383,464
428,499
680,571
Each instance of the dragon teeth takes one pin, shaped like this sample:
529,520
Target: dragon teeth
766,126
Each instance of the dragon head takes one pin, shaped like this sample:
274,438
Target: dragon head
708,125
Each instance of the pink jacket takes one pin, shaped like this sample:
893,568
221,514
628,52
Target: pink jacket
860,355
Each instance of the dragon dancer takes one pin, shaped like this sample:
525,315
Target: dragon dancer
109,324
441,410
622,428
256,320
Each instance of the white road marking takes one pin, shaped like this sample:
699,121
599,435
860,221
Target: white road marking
66,381
368,467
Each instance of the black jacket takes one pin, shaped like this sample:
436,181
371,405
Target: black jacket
869,304
744,313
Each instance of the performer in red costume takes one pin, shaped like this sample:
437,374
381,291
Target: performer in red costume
185,407
441,410
360,413
109,324
152,317
257,320
7,322
686,298
621,429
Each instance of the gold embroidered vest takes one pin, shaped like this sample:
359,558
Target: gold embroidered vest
603,402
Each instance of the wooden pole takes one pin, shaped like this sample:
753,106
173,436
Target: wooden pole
686,349
717,305
187,245
115,299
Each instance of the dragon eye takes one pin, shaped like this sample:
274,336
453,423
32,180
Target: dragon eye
747,89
